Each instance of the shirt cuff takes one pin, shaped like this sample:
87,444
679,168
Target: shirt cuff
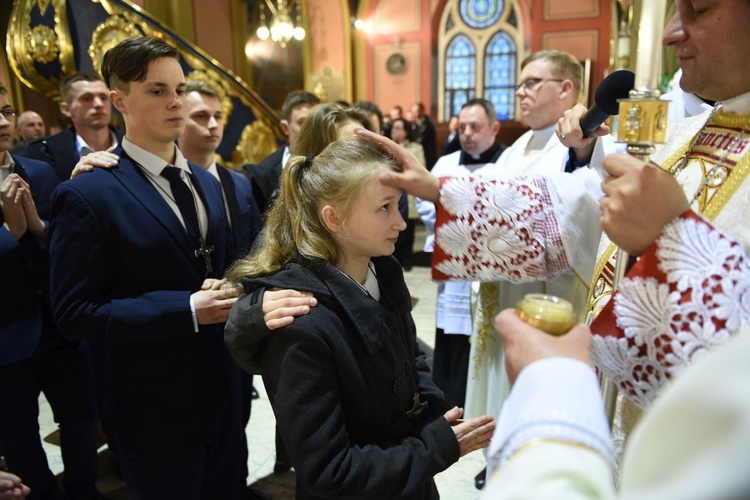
572,165
552,399
194,314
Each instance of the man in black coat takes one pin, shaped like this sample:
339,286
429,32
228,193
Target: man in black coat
265,175
424,133
85,100
34,356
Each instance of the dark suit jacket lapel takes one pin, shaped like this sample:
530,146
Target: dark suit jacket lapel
64,153
136,182
227,184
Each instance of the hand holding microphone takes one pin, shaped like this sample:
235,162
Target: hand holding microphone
613,88
578,127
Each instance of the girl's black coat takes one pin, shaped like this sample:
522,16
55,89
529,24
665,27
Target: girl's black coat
341,380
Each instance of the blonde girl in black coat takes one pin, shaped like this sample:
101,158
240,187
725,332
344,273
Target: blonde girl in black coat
351,391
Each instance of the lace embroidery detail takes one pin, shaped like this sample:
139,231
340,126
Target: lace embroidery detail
500,226
703,299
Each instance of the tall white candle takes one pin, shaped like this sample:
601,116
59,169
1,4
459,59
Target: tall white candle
648,65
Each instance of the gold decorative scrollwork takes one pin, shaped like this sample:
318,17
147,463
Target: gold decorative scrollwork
212,78
642,121
43,4
109,33
42,44
257,142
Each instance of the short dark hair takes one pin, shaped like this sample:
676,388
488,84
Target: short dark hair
371,108
128,61
297,98
488,107
408,127
82,76
202,88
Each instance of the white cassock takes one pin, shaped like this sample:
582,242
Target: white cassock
453,312
497,244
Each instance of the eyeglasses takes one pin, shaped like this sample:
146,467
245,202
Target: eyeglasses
534,83
8,113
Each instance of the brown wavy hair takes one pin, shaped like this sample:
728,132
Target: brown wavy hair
322,126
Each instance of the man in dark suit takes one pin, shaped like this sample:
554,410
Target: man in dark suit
203,133
34,356
85,100
204,130
265,175
452,141
425,134
136,253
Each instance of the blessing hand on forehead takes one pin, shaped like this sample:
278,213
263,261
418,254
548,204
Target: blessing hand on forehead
414,178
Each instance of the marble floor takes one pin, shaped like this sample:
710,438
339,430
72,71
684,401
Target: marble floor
456,483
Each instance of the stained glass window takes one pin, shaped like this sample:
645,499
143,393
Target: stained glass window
479,47
500,74
480,14
460,73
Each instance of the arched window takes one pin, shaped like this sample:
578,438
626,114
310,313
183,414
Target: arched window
478,47
500,75
460,73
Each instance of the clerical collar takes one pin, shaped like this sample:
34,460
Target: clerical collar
152,163
489,156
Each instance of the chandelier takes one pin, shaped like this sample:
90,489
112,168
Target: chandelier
282,26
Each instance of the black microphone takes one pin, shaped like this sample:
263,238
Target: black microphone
616,86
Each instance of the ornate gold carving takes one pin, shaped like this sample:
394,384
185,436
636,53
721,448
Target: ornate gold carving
42,44
212,78
43,4
320,92
642,121
29,45
109,33
257,142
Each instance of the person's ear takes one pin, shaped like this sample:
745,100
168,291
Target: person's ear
284,124
567,89
65,109
117,101
331,219
495,128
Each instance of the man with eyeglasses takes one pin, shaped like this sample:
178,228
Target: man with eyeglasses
477,126
34,356
549,84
